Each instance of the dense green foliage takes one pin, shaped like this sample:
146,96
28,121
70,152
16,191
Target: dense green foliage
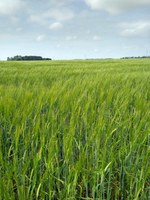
75,130
22,58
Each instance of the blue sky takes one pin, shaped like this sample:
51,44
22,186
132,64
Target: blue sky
74,29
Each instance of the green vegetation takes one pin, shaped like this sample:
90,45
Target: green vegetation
75,130
19,58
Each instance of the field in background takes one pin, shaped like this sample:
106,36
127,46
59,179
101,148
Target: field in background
75,130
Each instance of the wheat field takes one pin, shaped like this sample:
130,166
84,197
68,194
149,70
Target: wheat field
75,130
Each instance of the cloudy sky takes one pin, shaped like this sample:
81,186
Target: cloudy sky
70,29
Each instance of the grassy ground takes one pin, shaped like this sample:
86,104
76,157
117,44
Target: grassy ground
75,130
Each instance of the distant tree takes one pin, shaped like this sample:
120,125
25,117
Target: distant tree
28,58
17,57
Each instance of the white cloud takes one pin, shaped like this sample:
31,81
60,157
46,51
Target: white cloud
40,38
96,50
14,19
56,26
96,38
59,14
39,19
116,6
70,38
19,29
88,32
60,2
135,29
130,47
10,7
58,45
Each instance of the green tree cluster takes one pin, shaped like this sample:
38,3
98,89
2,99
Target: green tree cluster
21,58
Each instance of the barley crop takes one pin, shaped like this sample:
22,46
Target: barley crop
75,130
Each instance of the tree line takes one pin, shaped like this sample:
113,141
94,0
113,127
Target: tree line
21,58
135,57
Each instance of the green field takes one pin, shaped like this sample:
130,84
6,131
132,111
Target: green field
75,130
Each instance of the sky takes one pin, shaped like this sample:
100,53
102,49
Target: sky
74,29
